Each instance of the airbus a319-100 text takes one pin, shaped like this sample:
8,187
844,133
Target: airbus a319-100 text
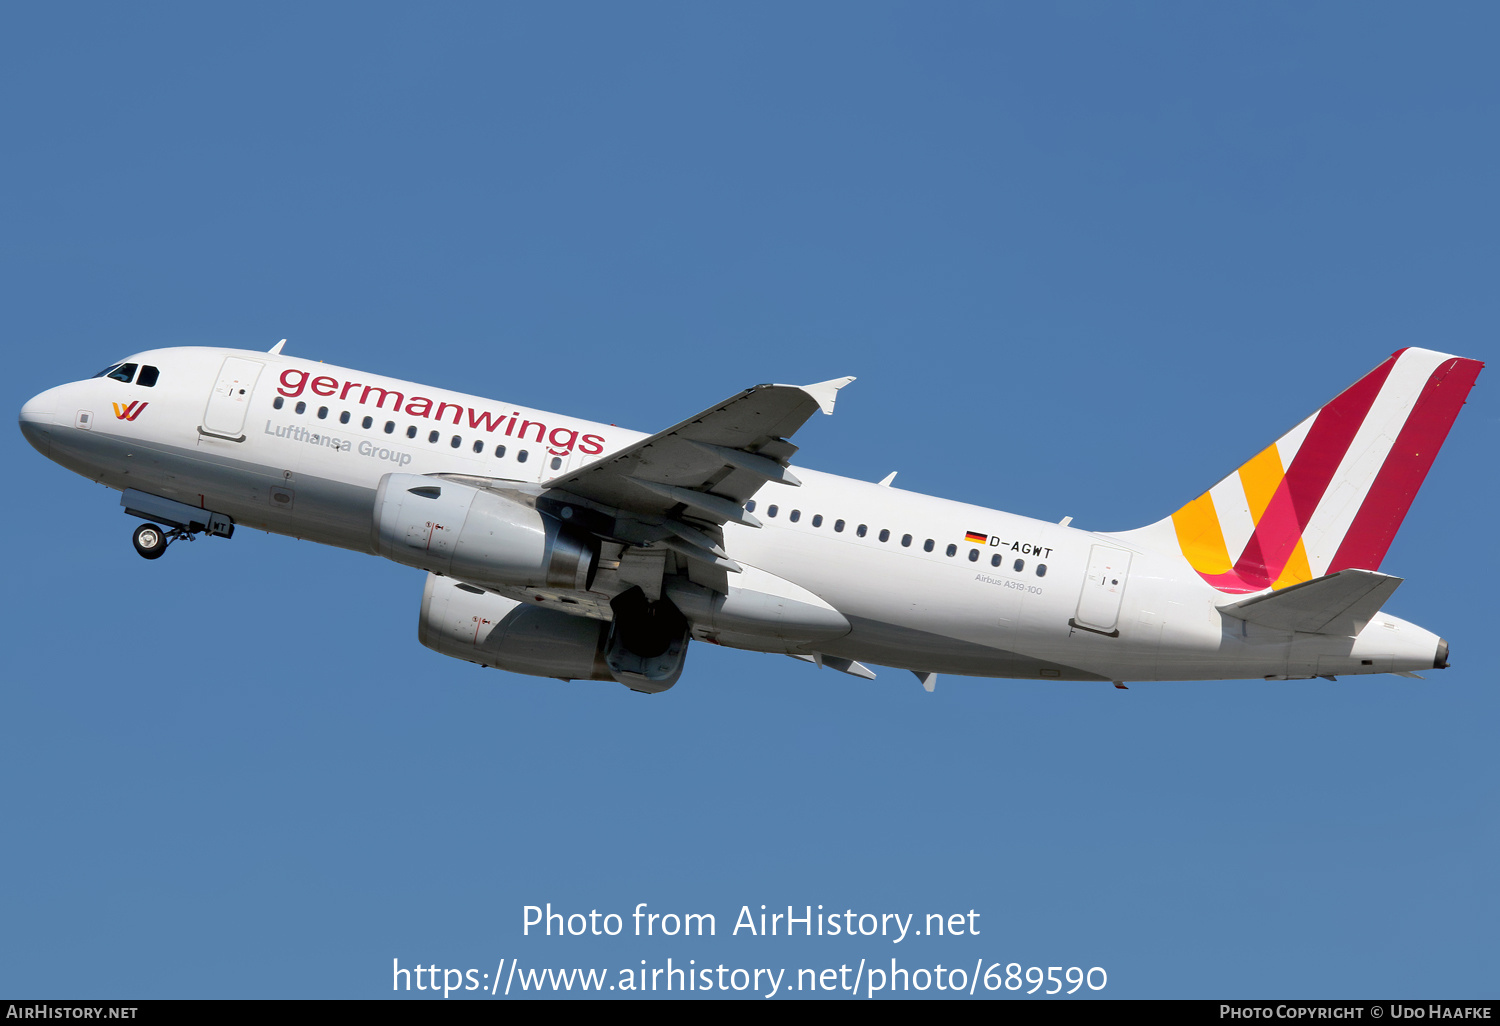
564,548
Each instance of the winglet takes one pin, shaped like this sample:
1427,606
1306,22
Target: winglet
276,349
824,393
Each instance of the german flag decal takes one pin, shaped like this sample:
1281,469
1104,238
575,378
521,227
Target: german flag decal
976,538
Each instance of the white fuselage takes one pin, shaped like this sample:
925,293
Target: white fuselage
302,449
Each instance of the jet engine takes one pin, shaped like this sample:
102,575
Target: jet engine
465,532
644,647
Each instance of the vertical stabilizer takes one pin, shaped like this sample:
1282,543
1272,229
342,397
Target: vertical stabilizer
1330,494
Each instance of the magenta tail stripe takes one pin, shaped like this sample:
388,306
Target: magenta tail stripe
1277,534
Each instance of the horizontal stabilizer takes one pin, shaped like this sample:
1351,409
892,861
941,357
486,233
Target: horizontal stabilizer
1339,604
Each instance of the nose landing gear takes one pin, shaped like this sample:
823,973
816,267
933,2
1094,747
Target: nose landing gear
183,521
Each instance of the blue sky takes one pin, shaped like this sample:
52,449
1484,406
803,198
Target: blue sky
1084,259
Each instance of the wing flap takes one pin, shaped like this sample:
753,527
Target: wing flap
705,504
1339,604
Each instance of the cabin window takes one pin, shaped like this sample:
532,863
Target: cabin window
838,526
885,535
344,417
322,413
456,442
499,451
1041,569
148,376
927,545
521,456
557,463
479,447
1020,565
973,555
278,403
771,510
302,408
818,520
390,427
124,372
411,431
796,515
906,541
995,559
750,506
432,437
367,423
952,550
860,530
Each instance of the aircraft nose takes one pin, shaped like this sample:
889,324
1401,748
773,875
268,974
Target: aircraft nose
37,418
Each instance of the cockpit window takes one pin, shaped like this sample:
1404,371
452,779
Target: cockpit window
106,370
124,372
148,376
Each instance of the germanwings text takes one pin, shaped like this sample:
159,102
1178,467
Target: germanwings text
559,440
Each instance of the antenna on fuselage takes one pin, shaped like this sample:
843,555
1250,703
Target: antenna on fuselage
276,349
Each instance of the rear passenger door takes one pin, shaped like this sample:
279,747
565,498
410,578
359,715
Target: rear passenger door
1103,588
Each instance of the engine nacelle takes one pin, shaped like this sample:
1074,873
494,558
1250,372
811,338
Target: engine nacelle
466,622
460,531
644,647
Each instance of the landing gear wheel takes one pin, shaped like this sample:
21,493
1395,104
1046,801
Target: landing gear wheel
150,540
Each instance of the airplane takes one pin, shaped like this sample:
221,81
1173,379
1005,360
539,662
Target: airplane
559,547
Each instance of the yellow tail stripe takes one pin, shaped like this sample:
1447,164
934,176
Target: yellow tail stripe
1201,537
1260,478
1297,569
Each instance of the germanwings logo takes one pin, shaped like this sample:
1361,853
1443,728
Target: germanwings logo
130,412
1330,494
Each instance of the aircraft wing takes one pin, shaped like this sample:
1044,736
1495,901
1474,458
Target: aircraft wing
696,476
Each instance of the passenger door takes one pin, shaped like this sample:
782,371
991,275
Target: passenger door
230,400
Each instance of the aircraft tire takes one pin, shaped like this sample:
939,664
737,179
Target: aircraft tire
150,541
